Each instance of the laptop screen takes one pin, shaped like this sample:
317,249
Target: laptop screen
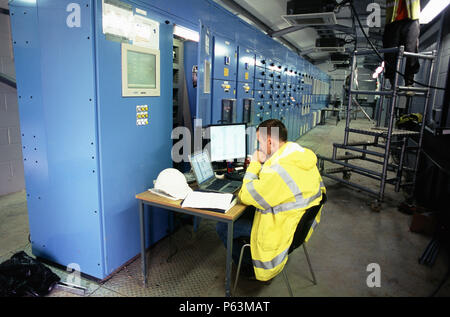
202,166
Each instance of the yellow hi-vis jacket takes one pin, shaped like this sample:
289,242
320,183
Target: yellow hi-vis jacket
412,6
281,190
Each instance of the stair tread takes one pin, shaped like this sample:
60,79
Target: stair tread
337,170
346,157
382,131
351,166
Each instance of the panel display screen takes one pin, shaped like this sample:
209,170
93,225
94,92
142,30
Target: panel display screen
141,70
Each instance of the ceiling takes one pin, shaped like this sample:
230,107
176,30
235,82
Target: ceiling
267,16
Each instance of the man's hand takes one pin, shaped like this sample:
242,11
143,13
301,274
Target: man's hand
259,156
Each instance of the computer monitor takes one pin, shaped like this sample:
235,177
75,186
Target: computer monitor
227,142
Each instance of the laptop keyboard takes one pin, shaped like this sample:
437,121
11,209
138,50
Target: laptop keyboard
217,184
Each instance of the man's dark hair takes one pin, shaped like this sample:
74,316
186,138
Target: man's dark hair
274,124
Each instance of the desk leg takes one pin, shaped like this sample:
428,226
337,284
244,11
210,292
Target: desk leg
143,257
229,259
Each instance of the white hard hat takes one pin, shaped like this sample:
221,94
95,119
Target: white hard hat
171,181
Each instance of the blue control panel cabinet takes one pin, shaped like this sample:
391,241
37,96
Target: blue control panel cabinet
245,85
85,156
224,103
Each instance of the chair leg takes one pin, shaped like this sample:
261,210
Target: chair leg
239,268
287,283
309,264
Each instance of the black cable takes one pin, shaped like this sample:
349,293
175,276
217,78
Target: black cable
4,11
378,53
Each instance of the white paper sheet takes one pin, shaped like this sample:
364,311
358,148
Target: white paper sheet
205,200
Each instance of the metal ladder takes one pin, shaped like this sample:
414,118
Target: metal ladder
383,137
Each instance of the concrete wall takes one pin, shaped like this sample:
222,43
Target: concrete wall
438,114
11,164
442,73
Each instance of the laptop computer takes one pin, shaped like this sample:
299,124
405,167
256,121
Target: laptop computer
204,173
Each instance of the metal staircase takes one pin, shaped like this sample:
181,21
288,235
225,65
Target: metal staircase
384,138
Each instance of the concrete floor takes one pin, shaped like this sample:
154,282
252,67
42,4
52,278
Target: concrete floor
348,239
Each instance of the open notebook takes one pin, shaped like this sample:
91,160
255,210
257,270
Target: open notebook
220,202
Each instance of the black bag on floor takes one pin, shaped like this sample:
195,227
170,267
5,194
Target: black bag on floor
22,275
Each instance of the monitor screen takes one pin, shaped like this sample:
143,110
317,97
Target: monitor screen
140,71
228,142
202,166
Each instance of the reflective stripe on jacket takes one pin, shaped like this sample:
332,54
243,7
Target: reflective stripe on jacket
282,190
412,6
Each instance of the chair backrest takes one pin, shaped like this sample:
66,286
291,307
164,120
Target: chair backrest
305,224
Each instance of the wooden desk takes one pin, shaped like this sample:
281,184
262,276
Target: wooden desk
153,200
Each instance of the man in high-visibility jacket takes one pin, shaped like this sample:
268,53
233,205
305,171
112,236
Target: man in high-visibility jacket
282,181
402,28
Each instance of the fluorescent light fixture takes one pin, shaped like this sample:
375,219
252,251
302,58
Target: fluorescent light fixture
186,33
432,9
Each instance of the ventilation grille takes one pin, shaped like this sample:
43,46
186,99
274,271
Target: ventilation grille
324,18
329,49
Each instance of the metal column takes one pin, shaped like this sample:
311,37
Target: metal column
391,123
